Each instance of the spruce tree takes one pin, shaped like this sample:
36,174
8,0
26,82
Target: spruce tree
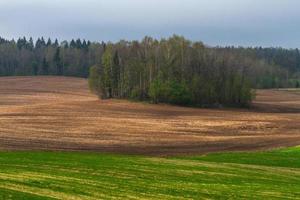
58,63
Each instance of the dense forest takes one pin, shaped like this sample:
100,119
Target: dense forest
173,70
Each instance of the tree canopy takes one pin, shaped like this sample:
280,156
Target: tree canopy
173,70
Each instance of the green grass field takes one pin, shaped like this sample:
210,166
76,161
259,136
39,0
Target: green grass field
262,175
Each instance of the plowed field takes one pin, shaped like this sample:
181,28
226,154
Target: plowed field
59,113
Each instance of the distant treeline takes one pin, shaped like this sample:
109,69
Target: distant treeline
173,70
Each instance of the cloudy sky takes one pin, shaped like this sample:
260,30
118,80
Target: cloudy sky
215,22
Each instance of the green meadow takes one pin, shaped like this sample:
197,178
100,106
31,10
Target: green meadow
45,175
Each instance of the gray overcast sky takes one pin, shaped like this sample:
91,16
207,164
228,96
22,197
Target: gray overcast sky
215,22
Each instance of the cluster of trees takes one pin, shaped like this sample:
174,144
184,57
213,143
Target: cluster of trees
173,70
278,67
47,57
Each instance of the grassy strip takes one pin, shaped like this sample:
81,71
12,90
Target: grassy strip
260,175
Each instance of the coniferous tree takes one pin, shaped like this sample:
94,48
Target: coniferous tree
56,44
73,44
35,68
78,44
30,44
49,43
43,43
45,67
57,61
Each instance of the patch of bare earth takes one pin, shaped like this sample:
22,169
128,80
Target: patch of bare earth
59,113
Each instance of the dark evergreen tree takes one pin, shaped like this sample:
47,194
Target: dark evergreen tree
45,67
58,63
43,43
78,44
35,68
49,43
38,44
73,44
30,45
56,44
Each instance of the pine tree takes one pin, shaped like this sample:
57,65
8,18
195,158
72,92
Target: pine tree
45,67
43,43
35,68
78,44
58,63
73,44
49,43
56,44
38,44
30,44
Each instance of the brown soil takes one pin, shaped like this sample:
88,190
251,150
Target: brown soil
59,113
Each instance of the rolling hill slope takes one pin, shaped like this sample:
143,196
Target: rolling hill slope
59,113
